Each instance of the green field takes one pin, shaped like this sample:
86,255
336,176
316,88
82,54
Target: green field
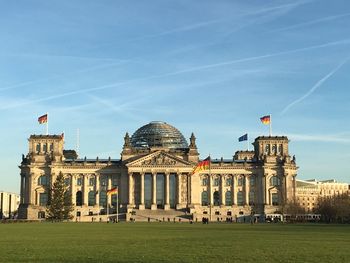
168,242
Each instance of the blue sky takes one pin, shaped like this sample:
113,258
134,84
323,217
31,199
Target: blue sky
208,67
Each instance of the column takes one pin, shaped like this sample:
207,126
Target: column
29,188
266,191
234,189
73,191
131,192
154,193
166,192
178,191
210,179
108,187
222,190
142,191
86,192
246,189
97,189
22,189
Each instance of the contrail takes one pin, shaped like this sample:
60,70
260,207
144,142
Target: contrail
316,86
26,83
193,69
316,21
206,23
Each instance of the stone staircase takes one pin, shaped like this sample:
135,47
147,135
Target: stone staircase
159,215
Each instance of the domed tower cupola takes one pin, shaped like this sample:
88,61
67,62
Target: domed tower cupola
157,134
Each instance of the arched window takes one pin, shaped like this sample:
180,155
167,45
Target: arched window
240,198
228,198
275,181
103,198
240,181
42,180
92,198
216,198
267,149
79,198
251,198
38,147
204,198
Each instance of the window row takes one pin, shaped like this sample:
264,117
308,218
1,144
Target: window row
44,147
273,149
229,182
44,180
43,198
228,198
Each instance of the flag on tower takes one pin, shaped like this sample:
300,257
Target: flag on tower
43,119
266,119
243,138
112,191
203,165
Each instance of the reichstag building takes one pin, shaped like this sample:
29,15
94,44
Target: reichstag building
155,179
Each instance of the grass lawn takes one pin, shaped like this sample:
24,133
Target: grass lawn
168,242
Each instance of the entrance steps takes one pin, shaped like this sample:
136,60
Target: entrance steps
159,215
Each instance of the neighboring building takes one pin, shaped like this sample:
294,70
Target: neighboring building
308,191
8,204
155,180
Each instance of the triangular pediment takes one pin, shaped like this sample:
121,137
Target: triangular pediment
158,159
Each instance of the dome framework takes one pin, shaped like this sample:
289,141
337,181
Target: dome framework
158,134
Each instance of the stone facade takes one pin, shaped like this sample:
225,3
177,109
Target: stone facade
8,204
308,191
156,181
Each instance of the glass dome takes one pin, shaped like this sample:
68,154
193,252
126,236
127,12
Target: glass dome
158,134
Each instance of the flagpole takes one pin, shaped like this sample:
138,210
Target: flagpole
270,125
117,205
107,209
211,196
247,142
47,124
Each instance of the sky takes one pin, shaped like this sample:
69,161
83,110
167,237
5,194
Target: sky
210,67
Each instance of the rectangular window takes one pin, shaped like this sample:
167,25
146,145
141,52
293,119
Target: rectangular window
43,199
79,181
205,181
92,181
274,198
252,181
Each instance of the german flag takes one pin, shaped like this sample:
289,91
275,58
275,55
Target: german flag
42,119
266,119
112,191
203,165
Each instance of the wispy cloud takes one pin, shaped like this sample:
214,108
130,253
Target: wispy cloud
188,70
314,87
63,76
312,22
319,138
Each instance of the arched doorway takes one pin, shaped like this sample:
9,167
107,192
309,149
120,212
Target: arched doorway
79,198
216,198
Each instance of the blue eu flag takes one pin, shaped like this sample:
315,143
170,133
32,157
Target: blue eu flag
243,138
